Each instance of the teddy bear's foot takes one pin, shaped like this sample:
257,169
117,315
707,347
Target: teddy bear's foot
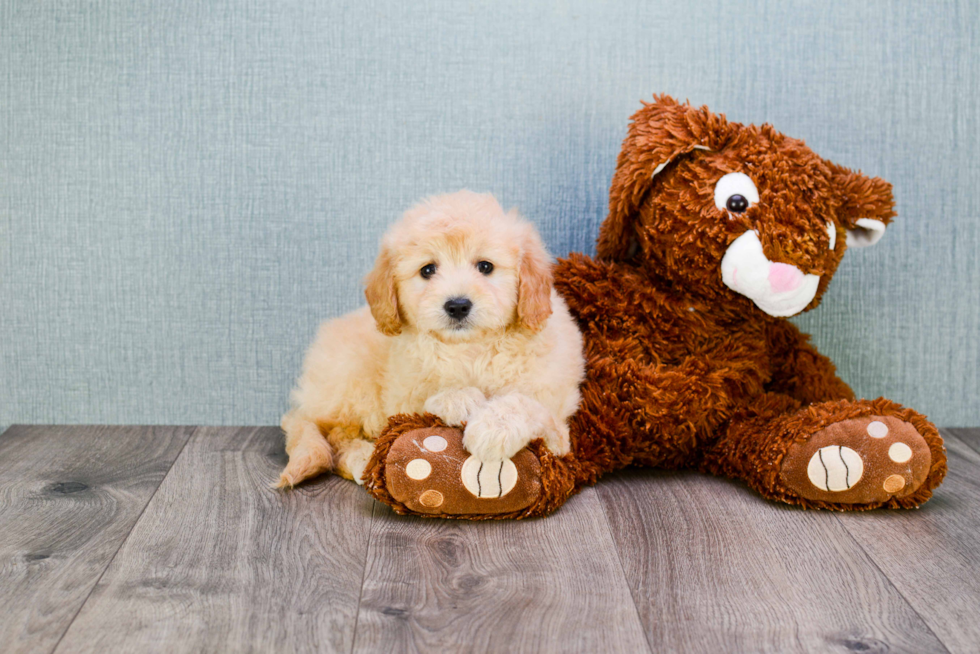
429,472
867,460
419,467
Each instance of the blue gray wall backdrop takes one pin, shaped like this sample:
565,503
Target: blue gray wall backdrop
188,188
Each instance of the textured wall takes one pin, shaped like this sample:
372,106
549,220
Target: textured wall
188,188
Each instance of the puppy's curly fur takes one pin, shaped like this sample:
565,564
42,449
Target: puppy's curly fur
509,365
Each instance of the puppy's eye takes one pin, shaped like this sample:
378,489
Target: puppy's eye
735,192
428,270
485,267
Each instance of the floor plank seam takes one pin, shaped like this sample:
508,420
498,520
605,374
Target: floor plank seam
123,541
360,591
891,583
622,569
971,443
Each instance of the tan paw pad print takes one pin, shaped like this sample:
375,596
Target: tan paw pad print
835,468
488,479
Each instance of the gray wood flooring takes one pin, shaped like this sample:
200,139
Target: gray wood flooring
169,539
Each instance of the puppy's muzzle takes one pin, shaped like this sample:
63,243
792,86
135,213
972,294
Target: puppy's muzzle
458,308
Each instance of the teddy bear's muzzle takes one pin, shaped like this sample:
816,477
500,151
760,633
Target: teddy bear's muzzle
779,289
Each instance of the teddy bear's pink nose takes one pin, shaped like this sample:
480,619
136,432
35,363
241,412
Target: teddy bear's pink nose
783,277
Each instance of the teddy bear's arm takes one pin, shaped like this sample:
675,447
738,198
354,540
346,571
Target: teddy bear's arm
799,370
698,390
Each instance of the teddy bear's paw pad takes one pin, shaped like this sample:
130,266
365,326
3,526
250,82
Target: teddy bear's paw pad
858,461
488,479
428,471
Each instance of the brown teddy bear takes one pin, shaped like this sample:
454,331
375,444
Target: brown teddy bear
716,233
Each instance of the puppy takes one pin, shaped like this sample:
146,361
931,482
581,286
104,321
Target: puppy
463,323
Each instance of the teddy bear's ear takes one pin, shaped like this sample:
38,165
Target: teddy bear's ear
867,206
659,132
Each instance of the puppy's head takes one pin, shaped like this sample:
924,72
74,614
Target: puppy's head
458,266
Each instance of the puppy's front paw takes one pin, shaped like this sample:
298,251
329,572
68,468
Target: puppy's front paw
455,406
496,432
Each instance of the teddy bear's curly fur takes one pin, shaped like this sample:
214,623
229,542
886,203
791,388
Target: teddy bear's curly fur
690,365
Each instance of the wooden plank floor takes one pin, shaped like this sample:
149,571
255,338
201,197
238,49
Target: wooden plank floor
170,540
69,497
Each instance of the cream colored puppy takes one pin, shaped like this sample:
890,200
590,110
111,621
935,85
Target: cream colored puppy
463,323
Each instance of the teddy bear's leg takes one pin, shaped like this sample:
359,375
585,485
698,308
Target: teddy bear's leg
419,467
844,455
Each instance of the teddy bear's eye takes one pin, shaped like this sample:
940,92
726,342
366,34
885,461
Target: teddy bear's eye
737,203
428,270
735,192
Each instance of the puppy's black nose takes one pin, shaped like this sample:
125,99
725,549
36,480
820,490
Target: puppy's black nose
458,307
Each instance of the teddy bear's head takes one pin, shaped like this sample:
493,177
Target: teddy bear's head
736,212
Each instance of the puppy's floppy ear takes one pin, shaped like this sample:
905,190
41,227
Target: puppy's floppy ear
533,282
867,205
382,294
659,133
